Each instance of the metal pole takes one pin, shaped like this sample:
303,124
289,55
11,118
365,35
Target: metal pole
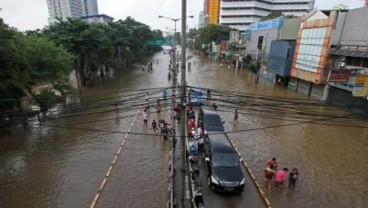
183,93
183,42
172,196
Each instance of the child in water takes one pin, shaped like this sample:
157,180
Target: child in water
293,177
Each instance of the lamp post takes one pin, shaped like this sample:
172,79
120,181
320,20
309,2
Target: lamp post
183,31
172,195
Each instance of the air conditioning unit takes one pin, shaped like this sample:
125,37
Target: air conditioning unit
342,64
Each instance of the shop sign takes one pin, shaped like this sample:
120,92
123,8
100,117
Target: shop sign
360,86
339,76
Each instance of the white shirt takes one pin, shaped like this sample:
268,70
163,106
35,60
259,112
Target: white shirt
144,115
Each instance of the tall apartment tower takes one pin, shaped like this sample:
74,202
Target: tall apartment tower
213,11
63,9
239,14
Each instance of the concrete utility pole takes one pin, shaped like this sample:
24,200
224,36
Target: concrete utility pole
183,41
183,90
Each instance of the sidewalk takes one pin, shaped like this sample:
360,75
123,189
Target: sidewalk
181,179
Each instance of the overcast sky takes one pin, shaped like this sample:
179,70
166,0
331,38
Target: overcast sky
33,14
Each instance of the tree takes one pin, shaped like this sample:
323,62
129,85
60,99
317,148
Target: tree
212,33
192,34
46,61
13,64
177,37
27,59
272,15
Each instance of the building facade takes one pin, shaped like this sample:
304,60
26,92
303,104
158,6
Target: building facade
213,11
100,18
240,14
349,61
63,9
261,35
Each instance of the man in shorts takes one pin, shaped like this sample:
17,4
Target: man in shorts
269,174
145,117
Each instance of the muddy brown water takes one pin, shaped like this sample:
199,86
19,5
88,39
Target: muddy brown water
62,161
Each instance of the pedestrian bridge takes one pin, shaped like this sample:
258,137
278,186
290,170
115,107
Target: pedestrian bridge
158,42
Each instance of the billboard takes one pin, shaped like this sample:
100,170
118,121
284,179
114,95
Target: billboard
360,86
267,25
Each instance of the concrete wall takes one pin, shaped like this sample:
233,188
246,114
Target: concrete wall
343,98
281,57
290,29
339,27
356,28
268,36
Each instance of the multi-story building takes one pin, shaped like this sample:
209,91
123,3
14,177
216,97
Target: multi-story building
239,14
63,9
99,18
213,9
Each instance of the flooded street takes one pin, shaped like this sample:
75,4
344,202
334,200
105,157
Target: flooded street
61,161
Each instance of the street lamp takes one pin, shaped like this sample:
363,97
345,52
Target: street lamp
172,196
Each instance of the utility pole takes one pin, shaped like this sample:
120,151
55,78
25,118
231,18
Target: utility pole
183,42
183,85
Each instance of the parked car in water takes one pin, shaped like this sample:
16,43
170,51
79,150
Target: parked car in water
210,120
196,96
224,169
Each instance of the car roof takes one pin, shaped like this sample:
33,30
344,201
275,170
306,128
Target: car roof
207,110
195,89
220,143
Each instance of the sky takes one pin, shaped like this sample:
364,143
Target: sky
33,14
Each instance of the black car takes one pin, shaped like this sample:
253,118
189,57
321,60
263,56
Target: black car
224,170
210,120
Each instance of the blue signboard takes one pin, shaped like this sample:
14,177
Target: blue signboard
267,25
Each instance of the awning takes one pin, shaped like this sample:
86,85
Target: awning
347,52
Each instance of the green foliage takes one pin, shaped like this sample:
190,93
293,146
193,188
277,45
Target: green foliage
177,38
62,87
50,54
25,59
247,61
212,33
272,15
11,94
192,34
45,99
46,60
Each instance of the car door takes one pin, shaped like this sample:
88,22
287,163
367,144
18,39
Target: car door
208,155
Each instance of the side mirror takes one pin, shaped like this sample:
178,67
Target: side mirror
223,122
207,159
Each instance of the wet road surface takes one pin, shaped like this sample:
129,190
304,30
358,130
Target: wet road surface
62,162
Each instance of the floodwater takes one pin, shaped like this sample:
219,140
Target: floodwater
62,161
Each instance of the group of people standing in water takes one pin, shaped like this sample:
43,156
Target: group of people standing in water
275,177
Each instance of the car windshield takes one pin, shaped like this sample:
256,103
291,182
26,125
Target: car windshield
213,123
224,160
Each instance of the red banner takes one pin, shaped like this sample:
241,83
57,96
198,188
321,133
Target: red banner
339,75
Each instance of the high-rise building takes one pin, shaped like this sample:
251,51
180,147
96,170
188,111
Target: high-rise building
239,14
63,9
213,11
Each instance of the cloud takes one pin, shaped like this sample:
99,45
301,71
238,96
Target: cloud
33,14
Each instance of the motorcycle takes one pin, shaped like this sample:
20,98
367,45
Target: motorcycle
198,198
